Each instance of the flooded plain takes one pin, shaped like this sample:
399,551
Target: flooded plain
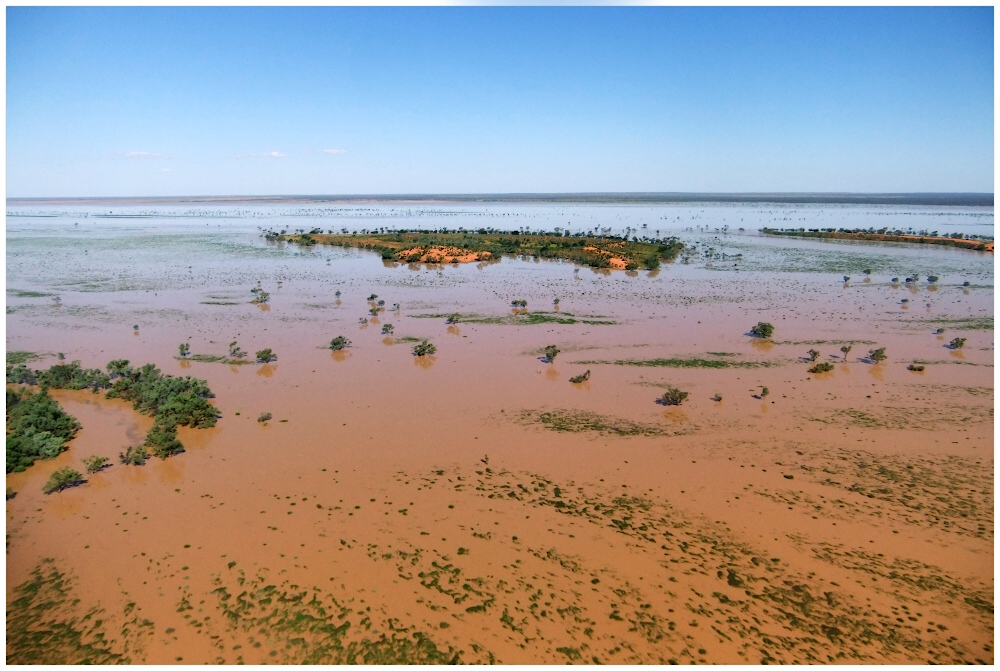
474,505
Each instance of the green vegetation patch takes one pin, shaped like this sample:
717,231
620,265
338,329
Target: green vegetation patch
581,421
220,303
29,294
824,342
42,630
490,244
37,428
518,319
14,358
962,323
214,358
684,363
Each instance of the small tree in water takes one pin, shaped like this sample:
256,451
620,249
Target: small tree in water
813,355
340,342
846,349
453,318
61,479
266,356
673,396
550,352
957,343
877,355
235,351
387,329
577,379
95,463
764,391
424,348
184,349
762,330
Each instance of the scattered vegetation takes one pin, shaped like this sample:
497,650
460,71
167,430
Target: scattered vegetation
887,235
63,479
266,356
822,367
877,355
184,349
685,363
134,455
956,343
762,330
387,329
550,352
235,351
577,379
915,367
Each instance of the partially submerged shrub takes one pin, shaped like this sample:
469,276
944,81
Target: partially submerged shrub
877,355
550,352
266,356
846,349
915,367
957,343
519,303
235,351
764,391
580,378
37,428
762,330
387,329
340,342
453,318
135,455
932,278
717,397
813,355
673,396
424,348
264,417
373,297
824,367
260,296
373,311
161,439
363,321
95,463
63,478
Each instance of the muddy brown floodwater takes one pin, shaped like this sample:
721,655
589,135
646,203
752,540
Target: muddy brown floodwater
474,505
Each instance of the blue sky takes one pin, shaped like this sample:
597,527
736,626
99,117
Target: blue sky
256,101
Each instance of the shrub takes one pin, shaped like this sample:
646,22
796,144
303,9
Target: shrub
846,349
373,311
95,463
813,355
264,417
932,278
957,343
550,352
453,318
519,303
340,342
762,330
363,321
673,396
387,329
135,455
261,296
184,349
161,440
764,391
266,356
37,428
824,367
373,297
555,301
915,367
580,378
717,397
20,374
877,355
61,479
235,351
73,376
423,348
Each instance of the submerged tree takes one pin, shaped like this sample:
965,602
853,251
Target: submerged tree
762,330
340,342
877,355
387,329
957,343
550,352
95,463
184,349
61,479
813,355
580,378
235,352
424,348
672,396
266,356
846,349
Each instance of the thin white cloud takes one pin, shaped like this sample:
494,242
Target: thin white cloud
274,154
335,152
142,154
165,170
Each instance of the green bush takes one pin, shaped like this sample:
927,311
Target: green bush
266,356
95,463
673,396
135,455
340,342
61,479
877,355
957,343
824,367
915,367
161,439
184,349
73,376
550,352
580,378
762,330
37,428
235,352
264,417
813,355
424,348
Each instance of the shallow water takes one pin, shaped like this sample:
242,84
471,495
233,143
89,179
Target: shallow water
394,463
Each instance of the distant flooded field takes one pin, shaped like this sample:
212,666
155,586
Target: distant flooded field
473,504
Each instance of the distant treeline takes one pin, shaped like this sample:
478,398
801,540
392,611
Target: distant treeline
963,240
645,197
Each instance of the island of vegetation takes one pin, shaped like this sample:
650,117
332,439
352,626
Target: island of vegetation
484,245
974,242
37,428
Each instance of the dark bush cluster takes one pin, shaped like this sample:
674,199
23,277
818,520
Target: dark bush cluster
37,428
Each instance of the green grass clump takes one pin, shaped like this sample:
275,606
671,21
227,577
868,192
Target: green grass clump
823,367
37,428
62,479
